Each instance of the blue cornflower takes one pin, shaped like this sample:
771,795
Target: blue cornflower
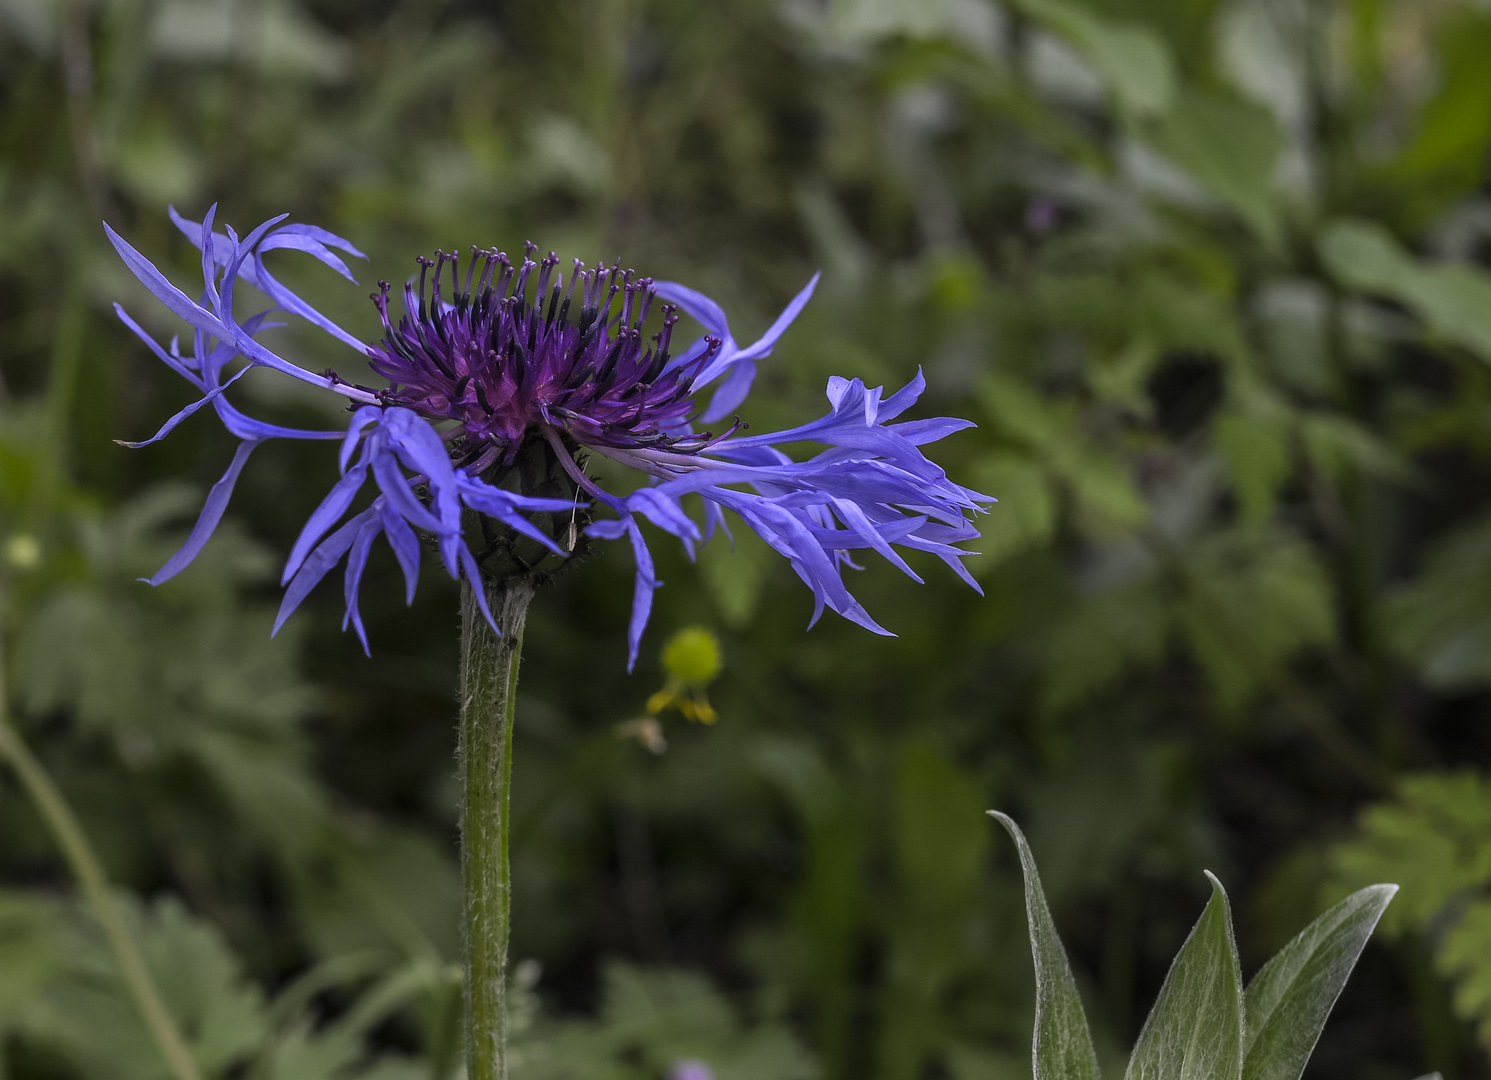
515,363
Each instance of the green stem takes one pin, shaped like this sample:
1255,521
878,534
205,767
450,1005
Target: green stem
489,681
90,875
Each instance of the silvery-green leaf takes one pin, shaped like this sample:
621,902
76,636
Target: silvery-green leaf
1288,1001
1195,1031
1062,1047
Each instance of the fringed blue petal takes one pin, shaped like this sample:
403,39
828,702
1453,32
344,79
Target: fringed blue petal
212,513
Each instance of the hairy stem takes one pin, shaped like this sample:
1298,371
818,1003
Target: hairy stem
489,681
90,876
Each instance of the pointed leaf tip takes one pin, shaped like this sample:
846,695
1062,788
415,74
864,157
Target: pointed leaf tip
1195,1029
1062,1046
1290,999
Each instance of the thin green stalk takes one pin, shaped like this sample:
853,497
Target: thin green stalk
489,681
90,876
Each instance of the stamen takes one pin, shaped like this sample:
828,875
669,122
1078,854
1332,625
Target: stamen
475,251
507,272
380,298
546,267
502,365
628,291
520,291
435,301
648,295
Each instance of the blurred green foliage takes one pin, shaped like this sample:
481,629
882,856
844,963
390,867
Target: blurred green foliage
1209,275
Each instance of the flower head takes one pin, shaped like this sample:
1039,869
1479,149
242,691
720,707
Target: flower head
503,367
501,382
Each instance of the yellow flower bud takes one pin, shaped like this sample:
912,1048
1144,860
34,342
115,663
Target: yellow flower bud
692,656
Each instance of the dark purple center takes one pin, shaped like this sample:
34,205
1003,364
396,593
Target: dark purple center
501,365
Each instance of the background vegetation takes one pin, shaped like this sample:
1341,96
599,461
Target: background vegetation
1209,275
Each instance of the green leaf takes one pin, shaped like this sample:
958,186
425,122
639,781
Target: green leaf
1229,146
1289,1000
1131,59
28,946
1441,621
86,1011
1433,837
1454,300
1251,607
1062,1047
1195,1031
1464,954
1445,157
1255,445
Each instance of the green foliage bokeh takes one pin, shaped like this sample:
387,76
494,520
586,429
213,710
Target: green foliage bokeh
1210,277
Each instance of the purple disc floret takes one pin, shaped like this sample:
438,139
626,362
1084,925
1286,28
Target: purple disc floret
508,359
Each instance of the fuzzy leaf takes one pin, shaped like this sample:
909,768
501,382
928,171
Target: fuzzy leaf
1195,1031
1062,1047
1288,1001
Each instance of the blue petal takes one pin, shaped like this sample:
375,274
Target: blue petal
730,355
395,485
176,300
647,584
212,513
504,506
170,425
246,427
763,347
473,575
404,543
903,398
663,511
172,362
862,526
705,311
209,269
731,392
608,529
368,414
241,251
921,432
256,274
325,236
293,303
284,238
327,514
327,555
357,561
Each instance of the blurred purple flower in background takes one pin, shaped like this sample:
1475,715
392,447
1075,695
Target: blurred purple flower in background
689,1069
514,360
1041,216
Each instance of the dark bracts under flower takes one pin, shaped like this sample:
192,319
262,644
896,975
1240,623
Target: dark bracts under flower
503,366
518,387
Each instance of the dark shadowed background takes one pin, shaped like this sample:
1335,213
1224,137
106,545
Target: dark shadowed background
1210,278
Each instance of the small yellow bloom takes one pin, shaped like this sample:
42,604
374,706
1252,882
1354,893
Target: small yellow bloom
693,656
692,660
23,552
